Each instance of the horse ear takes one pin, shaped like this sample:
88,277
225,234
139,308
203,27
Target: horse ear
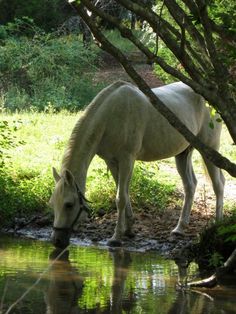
69,178
55,175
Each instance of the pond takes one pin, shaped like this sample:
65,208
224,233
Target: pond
94,280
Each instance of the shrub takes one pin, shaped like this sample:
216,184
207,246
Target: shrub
46,14
216,243
7,139
22,196
47,70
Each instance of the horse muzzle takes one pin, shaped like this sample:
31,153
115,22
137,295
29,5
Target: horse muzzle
61,238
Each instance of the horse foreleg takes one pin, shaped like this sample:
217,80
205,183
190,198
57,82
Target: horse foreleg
125,214
185,169
129,221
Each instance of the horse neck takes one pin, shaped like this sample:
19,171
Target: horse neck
80,152
86,136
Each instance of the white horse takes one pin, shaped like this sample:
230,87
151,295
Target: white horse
121,126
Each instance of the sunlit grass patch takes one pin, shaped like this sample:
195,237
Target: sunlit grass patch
26,180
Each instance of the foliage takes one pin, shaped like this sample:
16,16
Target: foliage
216,243
46,71
25,179
224,13
115,37
158,47
164,53
17,193
216,260
47,15
101,187
22,196
7,139
228,230
20,27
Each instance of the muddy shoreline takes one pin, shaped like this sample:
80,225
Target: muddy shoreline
152,231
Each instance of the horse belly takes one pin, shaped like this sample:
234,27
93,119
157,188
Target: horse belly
156,150
161,141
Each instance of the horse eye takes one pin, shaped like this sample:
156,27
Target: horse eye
68,205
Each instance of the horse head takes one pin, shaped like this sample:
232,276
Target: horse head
68,204
65,285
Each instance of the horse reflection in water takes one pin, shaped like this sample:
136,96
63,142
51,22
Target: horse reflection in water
66,286
122,261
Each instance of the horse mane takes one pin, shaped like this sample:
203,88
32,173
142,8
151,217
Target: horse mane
83,125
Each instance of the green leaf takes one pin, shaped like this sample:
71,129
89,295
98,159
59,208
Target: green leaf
211,124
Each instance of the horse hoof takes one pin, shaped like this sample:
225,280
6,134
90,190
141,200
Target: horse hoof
177,233
114,243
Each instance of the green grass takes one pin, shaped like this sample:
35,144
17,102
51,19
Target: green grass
26,179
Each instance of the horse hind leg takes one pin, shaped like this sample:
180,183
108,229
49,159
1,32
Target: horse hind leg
185,170
218,182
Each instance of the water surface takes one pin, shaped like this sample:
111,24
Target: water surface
93,280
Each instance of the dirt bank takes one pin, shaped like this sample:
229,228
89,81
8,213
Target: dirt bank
152,230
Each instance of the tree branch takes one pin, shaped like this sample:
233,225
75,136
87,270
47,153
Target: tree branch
171,42
220,69
215,84
206,151
127,33
185,22
208,92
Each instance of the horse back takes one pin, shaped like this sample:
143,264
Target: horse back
131,124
